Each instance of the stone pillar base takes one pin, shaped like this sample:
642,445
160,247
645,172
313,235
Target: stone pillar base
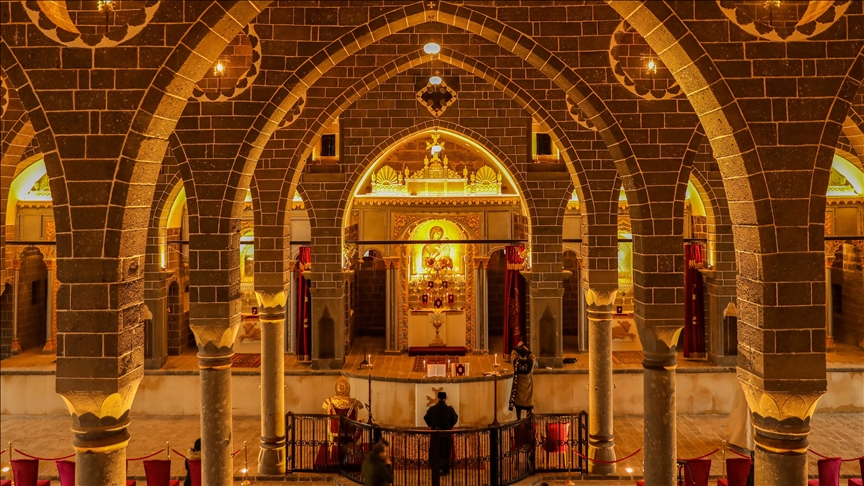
16,347
271,457
50,347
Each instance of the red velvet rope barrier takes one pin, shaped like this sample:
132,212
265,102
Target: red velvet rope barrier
233,454
704,456
597,461
2,452
179,453
841,459
145,457
737,453
44,458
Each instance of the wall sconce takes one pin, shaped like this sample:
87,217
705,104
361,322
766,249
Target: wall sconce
219,70
651,68
771,5
106,6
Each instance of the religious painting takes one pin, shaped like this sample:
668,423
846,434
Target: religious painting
437,267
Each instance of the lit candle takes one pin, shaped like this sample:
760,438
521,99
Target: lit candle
369,359
496,359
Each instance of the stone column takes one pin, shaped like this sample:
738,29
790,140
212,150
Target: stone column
100,418
391,338
601,443
583,321
271,457
481,304
831,248
291,309
16,346
50,312
661,450
215,338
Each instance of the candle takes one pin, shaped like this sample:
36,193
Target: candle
496,359
369,359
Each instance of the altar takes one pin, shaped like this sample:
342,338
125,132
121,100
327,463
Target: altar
429,217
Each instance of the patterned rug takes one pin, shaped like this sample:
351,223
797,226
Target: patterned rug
627,357
418,361
246,360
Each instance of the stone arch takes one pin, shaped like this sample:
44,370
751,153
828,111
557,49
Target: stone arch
718,110
179,154
414,59
165,99
711,98
509,165
38,122
853,128
293,90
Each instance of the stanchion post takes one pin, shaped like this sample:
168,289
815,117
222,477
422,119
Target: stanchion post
9,467
245,465
168,449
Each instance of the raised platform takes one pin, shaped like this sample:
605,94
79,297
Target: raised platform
27,384
437,351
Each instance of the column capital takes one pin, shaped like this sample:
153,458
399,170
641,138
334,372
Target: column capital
392,261
100,414
782,418
600,300
831,247
272,304
481,262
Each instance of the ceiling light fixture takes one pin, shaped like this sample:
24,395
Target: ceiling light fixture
435,80
432,48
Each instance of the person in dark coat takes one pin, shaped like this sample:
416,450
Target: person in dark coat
377,469
193,453
441,417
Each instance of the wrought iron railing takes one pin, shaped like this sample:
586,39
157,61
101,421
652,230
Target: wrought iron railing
499,455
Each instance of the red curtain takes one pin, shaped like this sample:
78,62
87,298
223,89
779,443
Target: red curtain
304,306
694,310
514,326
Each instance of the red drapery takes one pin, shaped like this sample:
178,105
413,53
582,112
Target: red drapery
694,310
514,328
304,306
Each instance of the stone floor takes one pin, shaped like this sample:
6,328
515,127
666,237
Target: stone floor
834,434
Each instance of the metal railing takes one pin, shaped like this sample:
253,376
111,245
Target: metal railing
499,455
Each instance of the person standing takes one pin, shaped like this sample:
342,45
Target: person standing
522,394
377,468
441,417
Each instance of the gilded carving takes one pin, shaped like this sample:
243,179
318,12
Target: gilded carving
403,224
831,248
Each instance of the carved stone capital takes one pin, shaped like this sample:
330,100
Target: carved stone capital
392,262
659,343
781,415
272,305
600,300
99,417
215,336
481,262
